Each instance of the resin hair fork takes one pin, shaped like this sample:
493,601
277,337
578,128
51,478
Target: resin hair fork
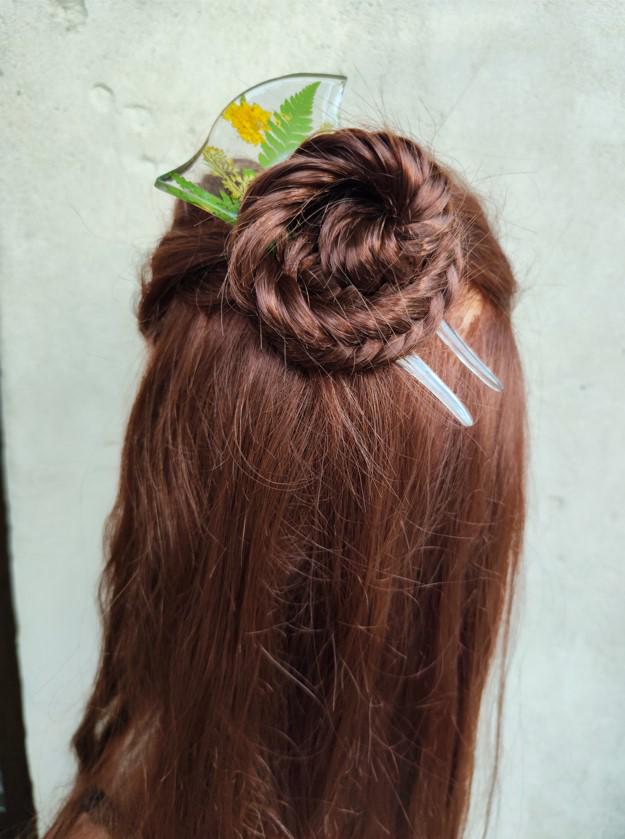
267,123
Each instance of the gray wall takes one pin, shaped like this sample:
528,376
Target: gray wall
526,98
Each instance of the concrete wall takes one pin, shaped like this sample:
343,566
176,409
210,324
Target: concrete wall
527,99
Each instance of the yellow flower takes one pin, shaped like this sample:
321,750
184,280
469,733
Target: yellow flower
249,119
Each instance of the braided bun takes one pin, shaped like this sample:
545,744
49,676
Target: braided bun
347,254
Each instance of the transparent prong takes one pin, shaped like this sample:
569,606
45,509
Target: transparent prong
415,365
467,356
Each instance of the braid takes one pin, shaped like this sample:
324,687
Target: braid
348,254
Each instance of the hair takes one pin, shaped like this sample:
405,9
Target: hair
309,561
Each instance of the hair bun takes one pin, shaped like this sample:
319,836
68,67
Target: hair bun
347,253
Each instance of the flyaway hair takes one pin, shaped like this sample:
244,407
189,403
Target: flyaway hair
309,561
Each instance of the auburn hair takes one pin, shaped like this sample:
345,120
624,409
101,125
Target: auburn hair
309,561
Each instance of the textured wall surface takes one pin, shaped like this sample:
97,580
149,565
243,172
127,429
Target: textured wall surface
527,100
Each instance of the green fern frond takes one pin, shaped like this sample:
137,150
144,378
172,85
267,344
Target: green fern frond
288,127
228,202
222,206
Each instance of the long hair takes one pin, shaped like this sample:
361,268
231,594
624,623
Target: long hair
309,561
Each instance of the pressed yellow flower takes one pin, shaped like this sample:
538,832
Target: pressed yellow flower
249,119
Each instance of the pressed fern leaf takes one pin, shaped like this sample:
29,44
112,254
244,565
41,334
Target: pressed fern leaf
222,206
288,127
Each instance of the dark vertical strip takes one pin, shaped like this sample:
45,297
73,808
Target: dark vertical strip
17,812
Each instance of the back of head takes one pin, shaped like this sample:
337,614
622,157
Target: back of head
309,560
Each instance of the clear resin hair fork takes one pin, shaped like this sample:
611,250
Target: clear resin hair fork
415,365
264,125
467,356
